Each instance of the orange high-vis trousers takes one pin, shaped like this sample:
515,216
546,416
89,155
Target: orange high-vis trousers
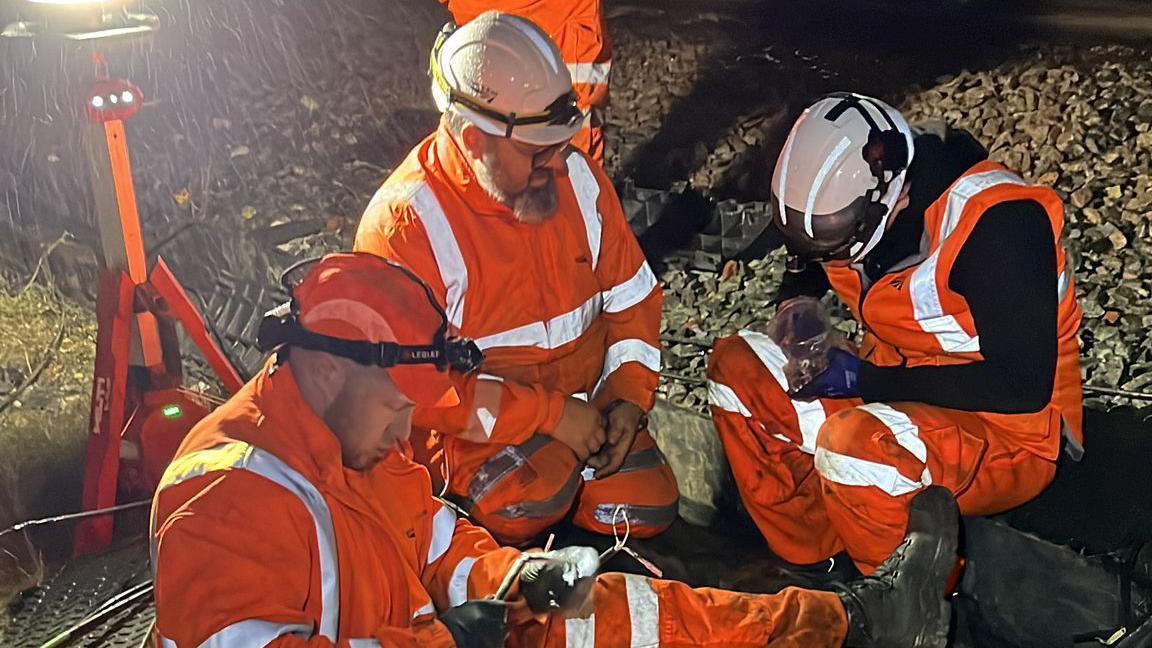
838,474
518,491
634,610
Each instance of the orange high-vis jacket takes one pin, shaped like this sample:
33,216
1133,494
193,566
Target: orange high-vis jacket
262,537
576,26
559,308
914,318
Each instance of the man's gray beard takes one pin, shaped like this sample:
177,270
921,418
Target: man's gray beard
533,205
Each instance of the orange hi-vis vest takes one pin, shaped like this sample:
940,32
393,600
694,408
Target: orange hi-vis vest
563,307
262,537
912,318
576,26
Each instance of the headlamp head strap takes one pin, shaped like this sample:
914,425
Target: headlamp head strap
281,327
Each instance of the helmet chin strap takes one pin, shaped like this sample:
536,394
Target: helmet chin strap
860,250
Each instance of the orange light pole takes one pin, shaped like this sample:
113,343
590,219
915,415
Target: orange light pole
137,378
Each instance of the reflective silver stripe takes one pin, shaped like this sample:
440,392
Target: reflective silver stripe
810,415
643,611
554,333
925,286
443,528
458,584
967,187
785,158
625,351
631,292
560,502
929,311
424,610
725,398
587,192
580,633
363,643
818,182
637,514
487,420
501,464
590,73
241,456
906,432
253,632
1063,282
453,272
851,471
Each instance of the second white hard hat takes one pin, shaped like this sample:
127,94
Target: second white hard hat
839,176
505,75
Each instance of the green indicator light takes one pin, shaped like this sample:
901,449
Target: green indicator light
171,411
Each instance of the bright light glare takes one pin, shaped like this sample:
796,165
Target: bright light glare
127,97
113,98
69,2
97,102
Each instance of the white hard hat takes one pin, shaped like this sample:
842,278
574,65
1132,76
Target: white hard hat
505,75
839,175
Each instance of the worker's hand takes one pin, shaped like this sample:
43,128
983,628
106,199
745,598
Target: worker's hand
624,421
477,624
838,380
581,428
560,581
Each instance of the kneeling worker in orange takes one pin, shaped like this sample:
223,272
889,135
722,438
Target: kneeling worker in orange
968,375
292,516
526,247
579,31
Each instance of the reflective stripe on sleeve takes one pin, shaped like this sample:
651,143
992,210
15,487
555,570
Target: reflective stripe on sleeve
810,415
725,398
633,291
443,528
624,351
458,584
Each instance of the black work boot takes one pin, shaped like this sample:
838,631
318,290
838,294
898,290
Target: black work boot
903,604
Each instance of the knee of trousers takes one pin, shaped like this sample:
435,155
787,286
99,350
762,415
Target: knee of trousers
644,491
850,432
856,448
520,491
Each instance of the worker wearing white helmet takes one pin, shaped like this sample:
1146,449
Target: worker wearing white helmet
840,177
524,242
967,373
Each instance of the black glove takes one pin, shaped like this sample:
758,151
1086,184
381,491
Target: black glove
559,581
477,624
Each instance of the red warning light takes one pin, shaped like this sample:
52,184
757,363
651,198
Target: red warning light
112,99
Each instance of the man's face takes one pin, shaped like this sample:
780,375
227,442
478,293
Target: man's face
369,416
520,176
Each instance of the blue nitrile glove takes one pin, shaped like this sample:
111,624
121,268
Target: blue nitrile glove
839,380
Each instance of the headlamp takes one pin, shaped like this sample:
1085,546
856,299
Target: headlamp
281,326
